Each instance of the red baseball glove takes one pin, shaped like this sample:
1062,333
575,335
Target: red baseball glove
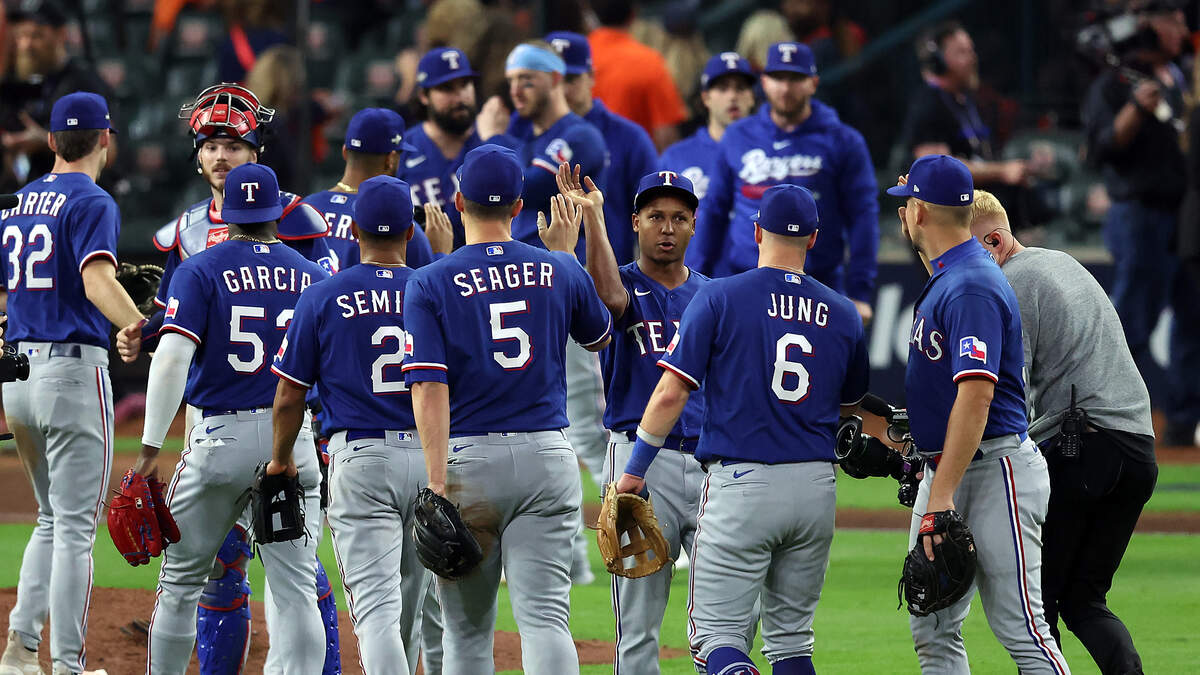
138,519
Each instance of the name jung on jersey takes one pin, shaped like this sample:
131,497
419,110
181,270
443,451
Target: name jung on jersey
263,278
792,308
494,278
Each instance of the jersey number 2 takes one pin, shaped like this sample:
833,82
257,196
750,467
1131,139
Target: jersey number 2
39,232
388,358
785,367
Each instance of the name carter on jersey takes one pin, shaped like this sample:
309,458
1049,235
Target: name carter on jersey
493,278
263,278
47,203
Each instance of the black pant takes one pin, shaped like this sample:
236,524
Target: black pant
1095,501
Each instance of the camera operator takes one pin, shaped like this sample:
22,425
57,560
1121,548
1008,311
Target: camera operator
1132,114
1101,460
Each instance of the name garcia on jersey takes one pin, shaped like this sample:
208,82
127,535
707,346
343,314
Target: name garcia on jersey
263,278
47,203
504,277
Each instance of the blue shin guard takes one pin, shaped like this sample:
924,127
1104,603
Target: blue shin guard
730,661
223,618
329,617
797,665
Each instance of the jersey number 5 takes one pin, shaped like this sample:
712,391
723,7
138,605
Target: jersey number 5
785,367
39,236
239,336
502,333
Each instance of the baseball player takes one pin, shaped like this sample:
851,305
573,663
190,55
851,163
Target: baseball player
61,243
966,407
783,350
346,334
647,299
727,92
1102,468
446,90
793,139
225,315
484,323
375,143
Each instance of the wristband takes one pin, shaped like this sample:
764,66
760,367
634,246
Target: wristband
645,449
656,441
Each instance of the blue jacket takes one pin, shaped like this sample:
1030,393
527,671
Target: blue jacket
692,158
822,154
631,155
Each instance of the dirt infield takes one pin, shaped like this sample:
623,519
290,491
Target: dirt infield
120,648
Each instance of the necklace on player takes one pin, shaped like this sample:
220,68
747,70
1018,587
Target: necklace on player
344,188
367,261
790,269
246,237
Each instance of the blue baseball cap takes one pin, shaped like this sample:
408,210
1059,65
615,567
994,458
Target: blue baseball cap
491,174
789,210
938,179
376,131
442,65
726,63
251,195
791,57
80,110
384,206
574,50
665,184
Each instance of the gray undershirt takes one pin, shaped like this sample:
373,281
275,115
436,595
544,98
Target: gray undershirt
1072,336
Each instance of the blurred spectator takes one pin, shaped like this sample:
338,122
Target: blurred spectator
277,77
798,140
631,78
162,22
485,34
831,38
254,26
679,41
1133,117
727,92
761,30
40,72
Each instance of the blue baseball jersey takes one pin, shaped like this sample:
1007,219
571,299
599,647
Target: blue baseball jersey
347,336
778,352
235,302
966,324
822,154
64,221
200,227
570,139
492,320
640,339
338,210
431,175
692,158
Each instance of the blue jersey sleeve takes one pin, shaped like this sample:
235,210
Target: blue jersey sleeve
99,223
425,345
188,304
975,335
164,286
588,149
860,193
317,250
690,349
858,373
591,322
712,218
298,359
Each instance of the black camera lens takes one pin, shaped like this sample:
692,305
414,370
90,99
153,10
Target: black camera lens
13,365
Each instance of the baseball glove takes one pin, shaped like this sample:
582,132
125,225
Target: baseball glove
141,283
931,585
445,545
275,506
138,520
630,515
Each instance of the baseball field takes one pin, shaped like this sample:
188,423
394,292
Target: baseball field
858,627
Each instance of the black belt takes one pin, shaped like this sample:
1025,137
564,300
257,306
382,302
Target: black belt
686,445
937,459
360,434
68,349
214,412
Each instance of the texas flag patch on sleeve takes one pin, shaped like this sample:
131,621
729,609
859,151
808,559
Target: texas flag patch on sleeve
408,344
172,308
973,347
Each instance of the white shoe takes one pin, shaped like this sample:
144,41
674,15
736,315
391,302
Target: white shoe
17,660
60,669
684,561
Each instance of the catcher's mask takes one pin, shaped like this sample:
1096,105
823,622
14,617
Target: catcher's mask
227,110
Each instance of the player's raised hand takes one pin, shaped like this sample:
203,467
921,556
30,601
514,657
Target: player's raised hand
129,341
492,118
438,228
570,187
562,232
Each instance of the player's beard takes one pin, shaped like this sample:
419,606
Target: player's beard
537,104
791,109
26,64
455,121
217,184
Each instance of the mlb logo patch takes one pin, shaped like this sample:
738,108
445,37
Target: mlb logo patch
355,142
559,151
791,278
72,121
338,199
495,250
50,178
385,228
383,274
793,228
972,347
495,199
262,248
172,308
34,351
408,344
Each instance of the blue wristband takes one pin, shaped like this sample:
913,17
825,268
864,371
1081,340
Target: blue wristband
643,454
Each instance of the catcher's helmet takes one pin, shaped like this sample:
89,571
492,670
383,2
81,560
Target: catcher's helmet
227,110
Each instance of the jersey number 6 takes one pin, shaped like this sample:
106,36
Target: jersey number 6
784,367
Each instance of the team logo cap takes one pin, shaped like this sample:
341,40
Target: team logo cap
938,179
251,195
384,206
442,65
491,174
80,110
789,210
574,49
662,184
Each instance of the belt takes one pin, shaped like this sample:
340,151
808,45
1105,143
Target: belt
377,434
68,349
936,459
207,412
682,444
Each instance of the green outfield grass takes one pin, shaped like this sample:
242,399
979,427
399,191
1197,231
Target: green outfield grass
858,627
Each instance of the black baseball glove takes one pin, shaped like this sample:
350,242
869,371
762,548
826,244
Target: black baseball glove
445,546
141,283
931,585
276,506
